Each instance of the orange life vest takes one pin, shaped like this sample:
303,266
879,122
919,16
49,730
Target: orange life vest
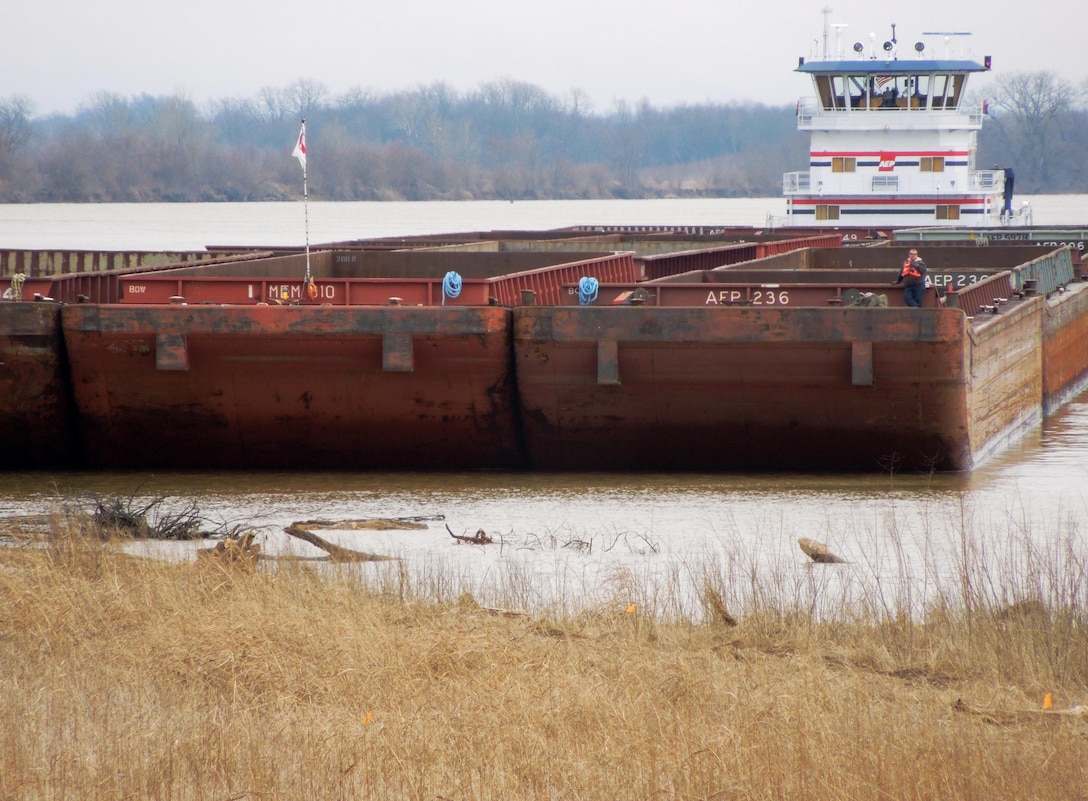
910,269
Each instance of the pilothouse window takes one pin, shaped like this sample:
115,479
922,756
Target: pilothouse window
855,84
946,89
919,91
952,98
838,99
823,89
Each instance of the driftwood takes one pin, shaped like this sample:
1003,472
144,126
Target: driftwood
233,552
479,538
335,552
368,524
818,552
130,518
1005,717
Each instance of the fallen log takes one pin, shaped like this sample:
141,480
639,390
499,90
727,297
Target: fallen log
818,552
367,524
335,552
479,538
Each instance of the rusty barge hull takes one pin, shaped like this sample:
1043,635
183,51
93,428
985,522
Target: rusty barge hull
36,410
751,381
756,366
743,388
294,387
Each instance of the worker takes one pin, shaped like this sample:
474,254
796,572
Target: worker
913,278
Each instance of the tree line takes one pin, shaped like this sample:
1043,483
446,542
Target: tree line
504,140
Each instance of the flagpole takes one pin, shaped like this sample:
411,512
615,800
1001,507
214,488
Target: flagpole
300,153
305,201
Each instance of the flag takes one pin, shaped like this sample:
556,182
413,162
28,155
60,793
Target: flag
300,147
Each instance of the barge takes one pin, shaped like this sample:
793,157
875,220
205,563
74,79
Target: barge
804,369
236,366
588,348
798,359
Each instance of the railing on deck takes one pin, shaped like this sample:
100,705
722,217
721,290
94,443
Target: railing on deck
811,115
794,182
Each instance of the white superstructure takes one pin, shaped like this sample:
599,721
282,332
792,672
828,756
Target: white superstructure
892,142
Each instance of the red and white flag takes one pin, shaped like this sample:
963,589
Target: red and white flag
300,147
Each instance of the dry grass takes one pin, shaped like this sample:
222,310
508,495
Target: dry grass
130,678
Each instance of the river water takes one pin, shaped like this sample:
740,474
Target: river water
1015,525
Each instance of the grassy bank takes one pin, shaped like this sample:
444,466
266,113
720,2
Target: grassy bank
134,678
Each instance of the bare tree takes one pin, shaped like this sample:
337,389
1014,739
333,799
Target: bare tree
15,131
15,128
305,96
1033,118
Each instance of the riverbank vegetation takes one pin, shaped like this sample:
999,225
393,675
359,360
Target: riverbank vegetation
128,677
505,140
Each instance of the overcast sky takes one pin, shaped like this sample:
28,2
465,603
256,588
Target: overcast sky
60,53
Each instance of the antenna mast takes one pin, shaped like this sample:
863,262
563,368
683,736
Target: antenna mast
826,11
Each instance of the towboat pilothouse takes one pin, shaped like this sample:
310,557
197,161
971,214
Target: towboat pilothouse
893,140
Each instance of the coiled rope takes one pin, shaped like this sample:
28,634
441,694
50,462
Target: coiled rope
451,286
587,290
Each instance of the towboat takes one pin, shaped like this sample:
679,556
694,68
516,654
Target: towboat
893,138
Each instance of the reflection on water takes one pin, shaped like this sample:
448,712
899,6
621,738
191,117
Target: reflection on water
569,539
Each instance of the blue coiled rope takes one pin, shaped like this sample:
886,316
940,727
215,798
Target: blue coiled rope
451,286
587,290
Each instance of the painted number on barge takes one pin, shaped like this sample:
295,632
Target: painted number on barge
752,297
296,291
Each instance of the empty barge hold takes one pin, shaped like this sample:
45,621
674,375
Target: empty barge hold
785,375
